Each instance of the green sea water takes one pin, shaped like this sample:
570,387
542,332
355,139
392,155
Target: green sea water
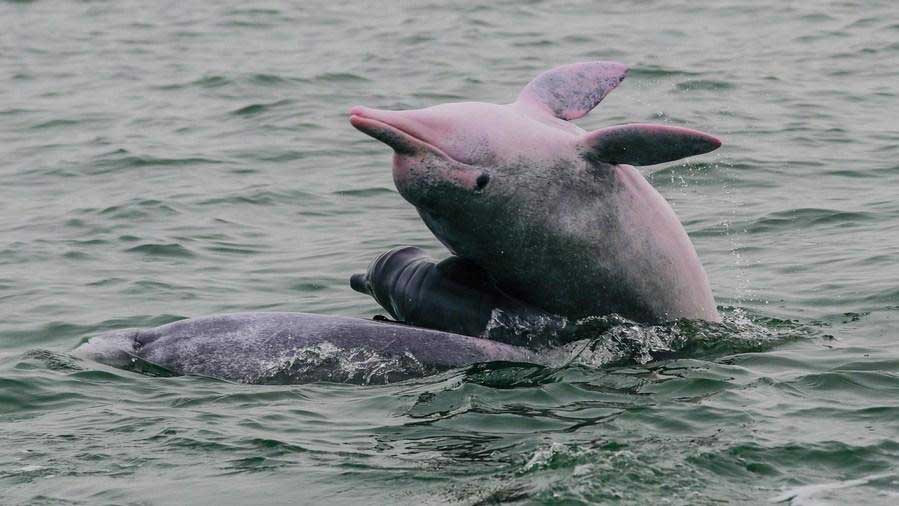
163,160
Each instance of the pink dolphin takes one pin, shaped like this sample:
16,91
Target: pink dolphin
553,213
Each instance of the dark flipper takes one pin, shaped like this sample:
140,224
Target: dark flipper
645,144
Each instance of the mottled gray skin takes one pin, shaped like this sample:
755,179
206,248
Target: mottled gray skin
552,212
454,295
527,231
295,348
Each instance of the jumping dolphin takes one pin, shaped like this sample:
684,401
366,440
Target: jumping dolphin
295,348
455,295
553,213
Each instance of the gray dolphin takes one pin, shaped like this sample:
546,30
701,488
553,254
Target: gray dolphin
552,212
295,348
455,295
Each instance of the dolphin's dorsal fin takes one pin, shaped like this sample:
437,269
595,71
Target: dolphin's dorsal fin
645,144
571,91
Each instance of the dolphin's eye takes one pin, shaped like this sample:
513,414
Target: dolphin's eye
482,180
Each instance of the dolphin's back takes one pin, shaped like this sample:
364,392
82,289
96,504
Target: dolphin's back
295,348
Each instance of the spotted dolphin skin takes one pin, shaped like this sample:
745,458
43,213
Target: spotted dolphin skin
557,216
295,348
454,295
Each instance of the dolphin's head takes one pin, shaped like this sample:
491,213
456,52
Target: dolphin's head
466,164
442,153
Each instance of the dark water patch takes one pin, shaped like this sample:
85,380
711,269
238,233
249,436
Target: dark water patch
56,123
503,375
96,376
145,286
539,43
705,85
255,109
657,72
16,111
888,365
874,414
772,362
240,23
886,296
576,39
122,160
164,250
884,260
427,96
76,255
76,223
416,39
273,80
205,82
340,77
252,11
828,35
235,248
278,155
18,396
244,171
138,209
310,286
850,173
243,398
108,282
365,192
258,465
201,445
833,455
817,17
263,198
871,384
808,217
274,447
689,390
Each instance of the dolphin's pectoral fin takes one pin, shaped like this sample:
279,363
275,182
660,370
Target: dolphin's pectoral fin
645,144
571,91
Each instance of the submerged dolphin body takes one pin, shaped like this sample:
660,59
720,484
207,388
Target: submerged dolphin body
295,348
553,213
455,295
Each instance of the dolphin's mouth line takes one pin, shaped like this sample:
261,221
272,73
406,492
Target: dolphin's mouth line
355,120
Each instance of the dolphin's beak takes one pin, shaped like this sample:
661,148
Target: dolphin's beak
397,129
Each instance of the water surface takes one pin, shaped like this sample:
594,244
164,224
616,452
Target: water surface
178,159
